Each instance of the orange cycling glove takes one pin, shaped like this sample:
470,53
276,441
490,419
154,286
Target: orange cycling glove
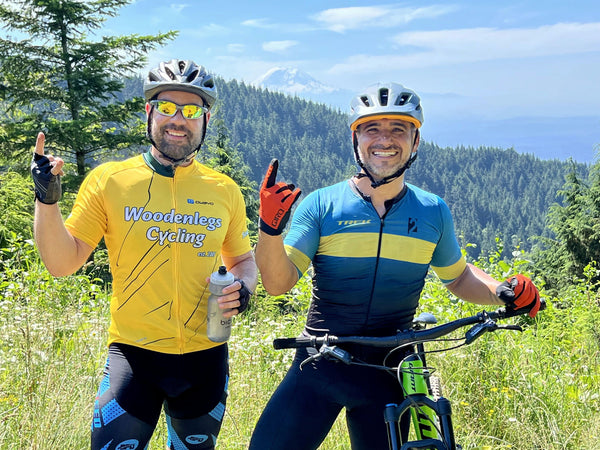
520,292
276,201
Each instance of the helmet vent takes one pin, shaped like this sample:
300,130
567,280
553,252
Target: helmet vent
181,75
365,100
402,99
170,73
383,96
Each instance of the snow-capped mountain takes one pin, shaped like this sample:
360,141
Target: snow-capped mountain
295,82
291,81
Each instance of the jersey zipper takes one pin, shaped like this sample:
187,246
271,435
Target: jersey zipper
378,257
176,287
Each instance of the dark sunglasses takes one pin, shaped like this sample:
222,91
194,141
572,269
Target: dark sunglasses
169,109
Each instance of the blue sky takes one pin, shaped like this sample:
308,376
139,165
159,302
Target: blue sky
505,64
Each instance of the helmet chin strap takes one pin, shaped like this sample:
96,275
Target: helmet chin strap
175,161
376,183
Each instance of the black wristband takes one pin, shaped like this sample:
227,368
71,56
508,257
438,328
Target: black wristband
245,295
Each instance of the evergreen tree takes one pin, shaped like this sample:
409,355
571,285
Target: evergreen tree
576,224
58,80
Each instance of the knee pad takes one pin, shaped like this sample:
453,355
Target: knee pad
199,433
113,428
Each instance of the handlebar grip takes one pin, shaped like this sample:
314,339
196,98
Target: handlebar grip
521,311
299,342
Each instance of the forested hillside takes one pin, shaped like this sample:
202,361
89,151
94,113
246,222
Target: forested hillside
492,192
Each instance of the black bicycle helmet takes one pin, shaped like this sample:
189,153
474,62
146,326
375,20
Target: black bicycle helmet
181,75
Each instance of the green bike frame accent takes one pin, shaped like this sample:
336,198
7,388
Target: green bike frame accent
414,381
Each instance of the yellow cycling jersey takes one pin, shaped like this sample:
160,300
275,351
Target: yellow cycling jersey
165,233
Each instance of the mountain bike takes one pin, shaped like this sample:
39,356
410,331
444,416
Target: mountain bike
431,413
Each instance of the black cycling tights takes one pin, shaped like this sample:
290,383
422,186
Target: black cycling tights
302,410
137,383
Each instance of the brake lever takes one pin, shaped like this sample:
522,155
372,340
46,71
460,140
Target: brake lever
310,359
329,352
511,327
336,353
478,329
489,325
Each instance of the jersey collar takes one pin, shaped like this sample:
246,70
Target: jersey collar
151,161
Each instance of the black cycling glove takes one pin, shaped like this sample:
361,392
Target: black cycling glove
47,185
245,294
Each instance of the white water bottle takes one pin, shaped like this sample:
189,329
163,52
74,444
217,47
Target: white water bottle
218,328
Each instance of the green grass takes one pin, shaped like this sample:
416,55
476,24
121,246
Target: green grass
533,390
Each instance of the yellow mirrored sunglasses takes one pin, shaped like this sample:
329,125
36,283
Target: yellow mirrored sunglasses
169,109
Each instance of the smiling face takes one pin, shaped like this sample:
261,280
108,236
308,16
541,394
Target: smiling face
385,145
176,137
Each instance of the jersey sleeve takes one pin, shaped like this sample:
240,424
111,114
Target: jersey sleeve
302,240
447,261
88,220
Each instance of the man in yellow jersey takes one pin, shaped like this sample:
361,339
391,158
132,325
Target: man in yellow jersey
168,223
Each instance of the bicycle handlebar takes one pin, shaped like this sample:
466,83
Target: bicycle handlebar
406,337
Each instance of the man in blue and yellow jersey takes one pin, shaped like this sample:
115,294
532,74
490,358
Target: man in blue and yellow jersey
168,222
371,241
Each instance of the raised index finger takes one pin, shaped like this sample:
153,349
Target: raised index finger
271,175
39,144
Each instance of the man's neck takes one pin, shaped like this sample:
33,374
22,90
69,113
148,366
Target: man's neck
380,194
158,156
383,192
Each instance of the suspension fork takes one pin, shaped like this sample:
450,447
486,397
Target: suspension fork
428,416
442,408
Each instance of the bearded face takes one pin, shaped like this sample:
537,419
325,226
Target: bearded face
385,145
175,136
176,141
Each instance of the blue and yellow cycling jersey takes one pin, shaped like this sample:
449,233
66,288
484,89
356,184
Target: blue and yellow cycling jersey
369,270
165,233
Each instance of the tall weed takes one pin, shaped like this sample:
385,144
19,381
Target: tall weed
537,389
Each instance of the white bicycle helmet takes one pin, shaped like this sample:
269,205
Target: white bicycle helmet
181,75
384,101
